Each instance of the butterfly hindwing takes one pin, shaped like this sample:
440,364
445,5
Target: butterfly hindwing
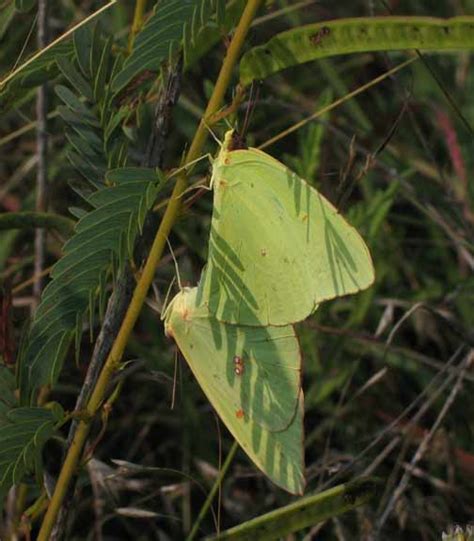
252,378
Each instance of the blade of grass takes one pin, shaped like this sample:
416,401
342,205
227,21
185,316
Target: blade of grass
305,512
213,491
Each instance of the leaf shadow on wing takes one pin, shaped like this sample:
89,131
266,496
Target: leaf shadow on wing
225,275
302,193
270,391
343,266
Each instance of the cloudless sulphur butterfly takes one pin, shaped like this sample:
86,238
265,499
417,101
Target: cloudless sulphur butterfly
277,247
252,377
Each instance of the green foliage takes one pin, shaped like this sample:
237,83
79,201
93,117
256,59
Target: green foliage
310,141
7,390
94,121
23,432
174,25
41,67
104,238
37,71
356,35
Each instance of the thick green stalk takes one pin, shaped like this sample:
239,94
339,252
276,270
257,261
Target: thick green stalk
113,360
137,23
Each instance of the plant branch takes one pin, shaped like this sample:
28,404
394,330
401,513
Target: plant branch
122,294
137,23
41,151
113,360
423,447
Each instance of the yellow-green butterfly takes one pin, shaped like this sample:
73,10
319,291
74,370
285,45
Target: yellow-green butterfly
277,247
252,377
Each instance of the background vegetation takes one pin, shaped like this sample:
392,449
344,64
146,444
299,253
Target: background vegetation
388,373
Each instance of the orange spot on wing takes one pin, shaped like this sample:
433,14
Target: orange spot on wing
239,414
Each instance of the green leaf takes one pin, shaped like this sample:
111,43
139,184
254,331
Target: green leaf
95,51
82,48
163,33
83,147
102,71
344,36
73,75
94,127
75,105
103,236
23,432
227,16
7,389
40,67
305,512
91,172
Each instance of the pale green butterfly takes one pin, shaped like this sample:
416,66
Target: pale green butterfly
277,247
252,377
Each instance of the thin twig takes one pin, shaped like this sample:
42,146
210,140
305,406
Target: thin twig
212,493
423,447
61,38
436,383
123,291
41,152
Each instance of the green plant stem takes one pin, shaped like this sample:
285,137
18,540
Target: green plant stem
113,360
213,491
140,6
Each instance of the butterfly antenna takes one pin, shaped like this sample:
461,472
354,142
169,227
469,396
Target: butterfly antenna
252,103
164,308
190,164
245,125
213,135
175,378
175,265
